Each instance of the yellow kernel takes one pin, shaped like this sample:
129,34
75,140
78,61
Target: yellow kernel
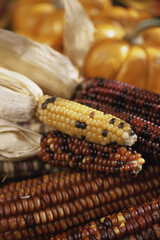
68,121
110,127
62,118
120,141
89,134
119,132
120,217
53,116
49,141
115,129
114,137
141,161
63,125
126,128
57,118
73,123
93,129
52,147
109,135
99,131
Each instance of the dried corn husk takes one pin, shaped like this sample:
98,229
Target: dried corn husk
18,96
16,142
36,125
51,70
78,34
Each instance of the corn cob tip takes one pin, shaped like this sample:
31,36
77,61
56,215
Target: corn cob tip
130,138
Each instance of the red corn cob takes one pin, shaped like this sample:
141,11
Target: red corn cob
86,200
122,97
128,224
61,150
148,141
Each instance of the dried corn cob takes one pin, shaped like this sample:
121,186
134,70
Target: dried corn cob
148,134
80,202
61,150
75,119
63,180
122,96
135,220
44,230
20,169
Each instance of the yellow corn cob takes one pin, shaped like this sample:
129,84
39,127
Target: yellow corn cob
84,122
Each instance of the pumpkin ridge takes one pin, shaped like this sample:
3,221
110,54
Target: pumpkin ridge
117,73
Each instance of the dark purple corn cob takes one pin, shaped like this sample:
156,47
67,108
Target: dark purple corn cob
121,97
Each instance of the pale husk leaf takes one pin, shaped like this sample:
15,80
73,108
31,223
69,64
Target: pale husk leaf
18,96
51,70
17,143
78,34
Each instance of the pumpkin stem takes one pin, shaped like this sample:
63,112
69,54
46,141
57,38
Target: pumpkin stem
149,23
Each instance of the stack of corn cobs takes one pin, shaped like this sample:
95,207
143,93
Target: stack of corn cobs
101,195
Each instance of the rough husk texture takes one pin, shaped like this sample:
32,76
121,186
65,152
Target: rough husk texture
78,34
51,70
18,96
16,142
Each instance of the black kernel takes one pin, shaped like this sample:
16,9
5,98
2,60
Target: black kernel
104,133
119,163
117,170
90,145
48,149
89,86
79,87
114,150
131,133
83,125
121,125
112,121
78,124
105,155
63,148
71,154
83,137
44,105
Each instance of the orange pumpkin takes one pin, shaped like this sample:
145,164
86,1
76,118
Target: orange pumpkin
116,22
39,20
137,62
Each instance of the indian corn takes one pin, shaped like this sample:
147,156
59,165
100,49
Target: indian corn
20,169
122,97
148,134
83,122
60,201
136,223
62,150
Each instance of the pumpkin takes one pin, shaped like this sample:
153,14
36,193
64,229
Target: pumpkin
40,20
117,21
127,60
95,7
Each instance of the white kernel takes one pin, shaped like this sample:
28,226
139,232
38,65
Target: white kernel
125,135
